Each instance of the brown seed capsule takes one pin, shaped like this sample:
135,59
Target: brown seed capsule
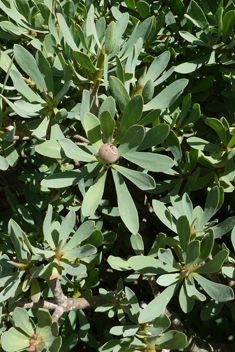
108,153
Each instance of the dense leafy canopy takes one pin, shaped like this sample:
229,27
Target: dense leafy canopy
117,175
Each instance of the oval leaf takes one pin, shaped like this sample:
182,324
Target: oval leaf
168,96
218,292
141,180
94,194
150,161
126,205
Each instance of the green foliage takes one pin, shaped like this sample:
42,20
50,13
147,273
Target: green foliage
117,174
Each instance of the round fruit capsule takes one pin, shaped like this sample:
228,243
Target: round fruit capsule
108,153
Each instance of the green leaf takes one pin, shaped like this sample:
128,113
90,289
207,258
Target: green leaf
213,265
156,306
154,136
46,71
137,243
108,105
131,140
184,232
171,340
75,269
21,320
149,118
5,279
35,290
168,96
24,109
175,148
186,302
94,195
90,26
83,232
66,32
130,4
149,266
67,226
160,324
47,227
3,163
219,128
197,16
110,38
28,64
133,312
92,280
141,180
119,70
143,8
67,178
206,246
73,151
23,88
191,66
148,91
9,290
125,330
168,279
41,131
50,148
201,144
164,214
44,321
192,291
118,263
121,26
192,254
142,31
131,115
14,340
79,252
119,92
158,66
109,346
214,200
218,292
228,24
17,237
126,205
187,207
92,128
192,39
107,125
24,9
166,256
59,96
56,344
211,310
203,85
85,105
96,239
84,60
150,161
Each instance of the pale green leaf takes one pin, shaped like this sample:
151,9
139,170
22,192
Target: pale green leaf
126,205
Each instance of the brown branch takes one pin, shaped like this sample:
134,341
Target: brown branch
27,304
55,286
62,303
60,298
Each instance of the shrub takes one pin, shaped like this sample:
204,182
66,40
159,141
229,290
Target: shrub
117,175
